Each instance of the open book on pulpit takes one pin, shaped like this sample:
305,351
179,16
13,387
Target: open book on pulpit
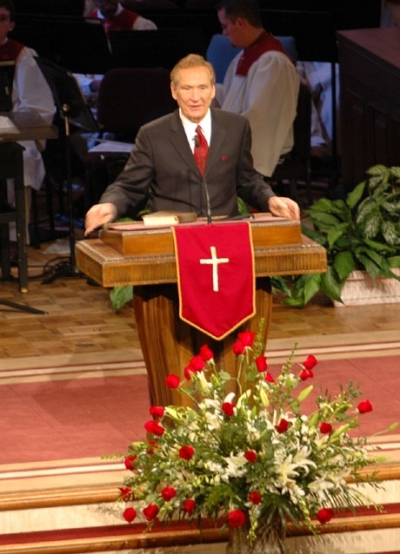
168,218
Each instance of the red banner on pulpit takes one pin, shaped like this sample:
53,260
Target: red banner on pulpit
216,277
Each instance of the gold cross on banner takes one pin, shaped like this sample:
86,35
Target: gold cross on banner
214,261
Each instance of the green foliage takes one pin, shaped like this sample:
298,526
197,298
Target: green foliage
359,233
120,296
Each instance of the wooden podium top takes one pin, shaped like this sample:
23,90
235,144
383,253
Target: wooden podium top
146,256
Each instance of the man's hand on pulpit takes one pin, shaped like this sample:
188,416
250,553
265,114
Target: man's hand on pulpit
99,215
284,207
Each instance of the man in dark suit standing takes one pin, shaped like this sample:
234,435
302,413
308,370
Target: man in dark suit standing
162,172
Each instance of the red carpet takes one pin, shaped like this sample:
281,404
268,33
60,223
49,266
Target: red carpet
71,419
82,416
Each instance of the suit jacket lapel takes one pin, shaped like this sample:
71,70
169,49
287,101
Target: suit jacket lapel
179,141
218,134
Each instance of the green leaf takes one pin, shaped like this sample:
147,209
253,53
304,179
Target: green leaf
394,261
304,393
120,296
317,236
379,246
389,232
354,197
395,172
224,375
330,285
264,398
344,263
324,220
369,265
365,209
311,286
336,233
378,169
372,226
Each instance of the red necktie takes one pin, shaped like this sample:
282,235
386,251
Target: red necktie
200,150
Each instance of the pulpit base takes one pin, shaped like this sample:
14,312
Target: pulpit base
168,343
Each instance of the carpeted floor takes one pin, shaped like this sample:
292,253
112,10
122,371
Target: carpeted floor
72,411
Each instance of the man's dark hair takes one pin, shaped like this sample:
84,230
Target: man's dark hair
9,6
247,9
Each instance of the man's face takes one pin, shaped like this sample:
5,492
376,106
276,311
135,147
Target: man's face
107,8
5,24
231,29
193,92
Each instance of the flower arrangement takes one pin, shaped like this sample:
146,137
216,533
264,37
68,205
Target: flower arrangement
248,457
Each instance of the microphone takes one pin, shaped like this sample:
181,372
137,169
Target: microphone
208,204
204,184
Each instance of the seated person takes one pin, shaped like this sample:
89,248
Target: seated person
30,93
114,18
261,83
162,171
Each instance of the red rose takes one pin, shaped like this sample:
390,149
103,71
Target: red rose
238,348
324,515
246,338
236,518
168,493
151,512
129,514
157,411
306,374
282,426
154,427
261,363
364,407
310,362
206,353
197,363
129,462
187,371
186,452
228,409
189,505
255,498
172,381
251,456
126,493
269,378
325,428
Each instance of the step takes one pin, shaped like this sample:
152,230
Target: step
80,519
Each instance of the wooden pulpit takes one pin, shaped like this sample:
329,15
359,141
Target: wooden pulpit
132,254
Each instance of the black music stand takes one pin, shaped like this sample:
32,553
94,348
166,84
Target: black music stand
73,109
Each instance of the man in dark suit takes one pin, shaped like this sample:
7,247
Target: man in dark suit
162,173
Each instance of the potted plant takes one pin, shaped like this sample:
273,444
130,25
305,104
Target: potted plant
253,460
361,232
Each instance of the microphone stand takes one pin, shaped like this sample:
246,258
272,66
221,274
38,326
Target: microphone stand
204,185
208,204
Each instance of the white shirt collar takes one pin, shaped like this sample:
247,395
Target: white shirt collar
190,127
